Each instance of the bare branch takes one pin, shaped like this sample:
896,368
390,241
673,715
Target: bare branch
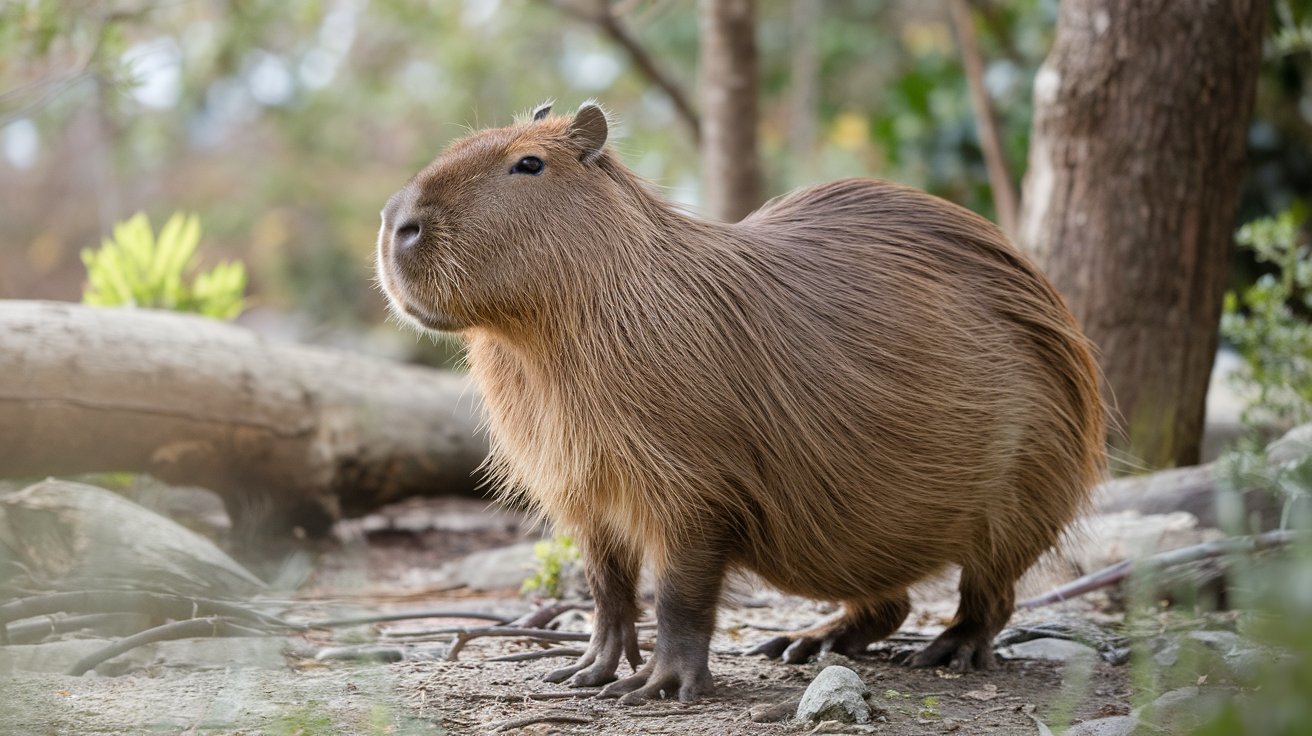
607,20
1000,181
1171,558
188,629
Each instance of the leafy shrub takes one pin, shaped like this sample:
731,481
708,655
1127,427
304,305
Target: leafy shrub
1262,324
135,269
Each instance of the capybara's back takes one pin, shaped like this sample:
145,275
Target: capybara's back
853,388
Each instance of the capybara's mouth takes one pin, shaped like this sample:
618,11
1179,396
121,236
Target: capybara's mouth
403,303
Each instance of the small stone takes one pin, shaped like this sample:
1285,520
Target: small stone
1224,642
1049,650
1168,655
1182,709
836,694
985,694
1247,664
1114,726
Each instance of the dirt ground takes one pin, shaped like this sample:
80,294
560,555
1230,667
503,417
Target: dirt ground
392,563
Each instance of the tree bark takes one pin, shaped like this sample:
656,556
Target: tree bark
289,436
1136,155
730,162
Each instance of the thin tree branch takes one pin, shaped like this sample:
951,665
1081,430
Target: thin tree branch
607,20
133,601
383,618
1120,571
189,629
464,636
1005,200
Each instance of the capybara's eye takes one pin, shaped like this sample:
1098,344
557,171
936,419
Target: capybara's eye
528,165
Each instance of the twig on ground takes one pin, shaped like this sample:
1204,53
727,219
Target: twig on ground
540,654
583,692
539,618
191,628
543,718
663,713
381,618
362,653
464,636
112,624
1120,571
133,601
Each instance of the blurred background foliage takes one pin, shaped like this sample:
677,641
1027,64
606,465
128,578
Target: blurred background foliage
286,123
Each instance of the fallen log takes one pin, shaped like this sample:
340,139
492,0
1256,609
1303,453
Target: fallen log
291,437
1195,489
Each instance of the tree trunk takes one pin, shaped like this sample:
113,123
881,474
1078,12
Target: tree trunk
289,436
1137,151
730,161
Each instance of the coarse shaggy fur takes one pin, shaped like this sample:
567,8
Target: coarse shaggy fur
854,387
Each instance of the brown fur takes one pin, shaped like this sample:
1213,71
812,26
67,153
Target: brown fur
851,389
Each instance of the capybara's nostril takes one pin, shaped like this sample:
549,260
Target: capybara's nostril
407,234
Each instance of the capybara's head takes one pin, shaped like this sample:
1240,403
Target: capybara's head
500,221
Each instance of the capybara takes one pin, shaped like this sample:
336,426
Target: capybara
852,389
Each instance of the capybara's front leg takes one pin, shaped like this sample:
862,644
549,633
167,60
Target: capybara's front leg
687,594
612,571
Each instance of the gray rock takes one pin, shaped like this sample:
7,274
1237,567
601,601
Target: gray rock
1224,642
1247,664
1113,726
836,694
1049,650
1183,709
492,569
52,657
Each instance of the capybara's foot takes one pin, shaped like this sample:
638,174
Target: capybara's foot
598,664
681,678
848,634
799,648
960,651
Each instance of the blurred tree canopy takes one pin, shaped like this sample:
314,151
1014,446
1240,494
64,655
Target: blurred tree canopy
287,123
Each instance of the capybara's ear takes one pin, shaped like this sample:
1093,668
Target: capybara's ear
543,110
588,131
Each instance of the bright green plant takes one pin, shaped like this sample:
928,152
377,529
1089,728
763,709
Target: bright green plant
134,268
1263,325
553,558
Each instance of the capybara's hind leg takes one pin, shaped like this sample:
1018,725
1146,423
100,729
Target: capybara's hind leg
850,633
987,599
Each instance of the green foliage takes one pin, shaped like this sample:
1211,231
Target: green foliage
1293,28
136,269
553,557
1275,701
1265,326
